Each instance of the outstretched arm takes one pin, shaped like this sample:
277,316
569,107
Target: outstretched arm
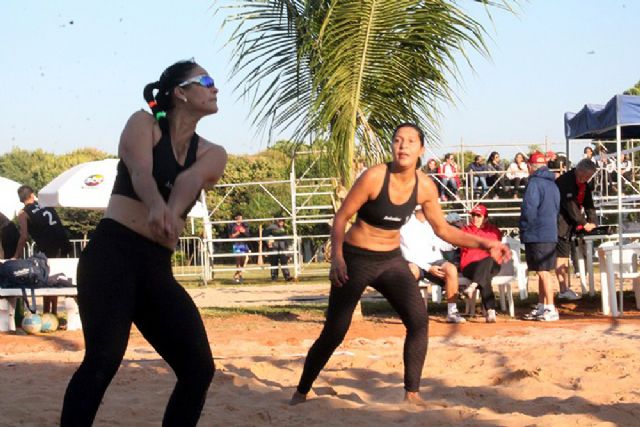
24,235
453,235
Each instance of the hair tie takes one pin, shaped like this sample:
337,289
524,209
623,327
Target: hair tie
160,114
152,103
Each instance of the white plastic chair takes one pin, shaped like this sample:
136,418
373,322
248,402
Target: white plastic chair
610,268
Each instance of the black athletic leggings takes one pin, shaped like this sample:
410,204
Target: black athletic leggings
124,278
389,274
481,272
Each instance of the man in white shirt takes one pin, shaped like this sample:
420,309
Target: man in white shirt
421,247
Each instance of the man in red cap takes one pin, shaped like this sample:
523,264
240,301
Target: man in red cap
477,265
539,232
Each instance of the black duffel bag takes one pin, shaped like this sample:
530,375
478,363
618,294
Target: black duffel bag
30,273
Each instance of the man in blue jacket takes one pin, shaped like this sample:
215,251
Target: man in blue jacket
539,232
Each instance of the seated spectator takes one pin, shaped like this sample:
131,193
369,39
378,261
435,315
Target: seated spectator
477,170
588,154
477,265
518,173
421,248
450,252
448,173
627,172
431,169
498,178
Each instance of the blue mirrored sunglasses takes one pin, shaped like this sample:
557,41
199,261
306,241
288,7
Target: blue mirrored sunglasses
203,80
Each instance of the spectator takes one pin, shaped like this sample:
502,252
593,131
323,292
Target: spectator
555,163
431,169
448,173
627,171
477,264
237,230
518,173
478,169
495,180
280,246
588,154
46,229
421,248
9,236
575,195
539,233
449,251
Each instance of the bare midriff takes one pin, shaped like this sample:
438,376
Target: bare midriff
372,238
133,214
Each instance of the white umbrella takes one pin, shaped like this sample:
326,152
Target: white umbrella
9,201
88,186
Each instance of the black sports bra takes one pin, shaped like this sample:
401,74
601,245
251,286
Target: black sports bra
165,170
382,213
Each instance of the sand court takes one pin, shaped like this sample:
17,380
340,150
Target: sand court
572,372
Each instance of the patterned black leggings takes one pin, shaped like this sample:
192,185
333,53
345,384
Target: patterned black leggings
389,274
124,278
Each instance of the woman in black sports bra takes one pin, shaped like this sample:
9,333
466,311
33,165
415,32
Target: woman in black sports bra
124,273
384,197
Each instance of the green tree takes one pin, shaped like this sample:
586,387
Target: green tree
348,71
634,90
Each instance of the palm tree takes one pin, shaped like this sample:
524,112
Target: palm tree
346,72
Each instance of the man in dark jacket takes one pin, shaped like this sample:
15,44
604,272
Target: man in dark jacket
539,232
575,197
281,249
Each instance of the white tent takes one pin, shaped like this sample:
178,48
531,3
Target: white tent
9,201
88,186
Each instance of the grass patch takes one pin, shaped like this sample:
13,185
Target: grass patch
314,274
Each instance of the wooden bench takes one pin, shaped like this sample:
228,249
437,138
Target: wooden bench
9,297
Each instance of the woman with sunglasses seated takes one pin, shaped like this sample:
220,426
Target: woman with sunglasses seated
369,254
477,264
124,273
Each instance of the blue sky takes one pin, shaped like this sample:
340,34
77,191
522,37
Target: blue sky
73,71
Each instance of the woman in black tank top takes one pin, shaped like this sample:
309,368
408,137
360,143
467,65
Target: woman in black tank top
124,273
384,197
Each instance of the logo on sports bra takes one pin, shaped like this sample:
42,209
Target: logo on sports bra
392,218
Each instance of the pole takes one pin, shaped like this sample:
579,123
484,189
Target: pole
208,236
618,168
294,219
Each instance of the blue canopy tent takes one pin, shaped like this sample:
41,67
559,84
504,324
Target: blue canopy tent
619,119
601,121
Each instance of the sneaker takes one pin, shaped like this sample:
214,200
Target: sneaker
569,294
491,316
533,314
549,316
455,318
468,292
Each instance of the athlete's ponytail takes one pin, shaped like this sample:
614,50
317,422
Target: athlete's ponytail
161,103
